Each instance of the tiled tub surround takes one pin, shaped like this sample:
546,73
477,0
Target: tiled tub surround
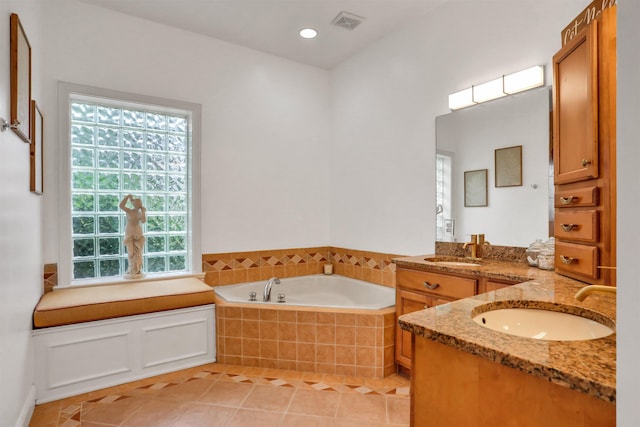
243,267
585,366
329,341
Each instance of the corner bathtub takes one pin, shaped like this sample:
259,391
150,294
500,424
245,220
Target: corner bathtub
317,290
328,324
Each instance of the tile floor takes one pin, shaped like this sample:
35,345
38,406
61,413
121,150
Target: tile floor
234,396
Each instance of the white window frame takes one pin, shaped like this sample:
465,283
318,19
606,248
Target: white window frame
446,194
65,92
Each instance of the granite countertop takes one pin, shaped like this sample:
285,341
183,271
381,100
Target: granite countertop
585,366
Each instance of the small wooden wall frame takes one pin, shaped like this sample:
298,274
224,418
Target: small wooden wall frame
20,61
475,188
509,166
36,182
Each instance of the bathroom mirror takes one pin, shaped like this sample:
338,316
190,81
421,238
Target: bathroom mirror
467,140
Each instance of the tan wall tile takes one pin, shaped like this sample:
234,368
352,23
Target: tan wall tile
287,364
305,367
347,370
326,334
250,329
365,371
326,354
233,328
269,349
306,352
233,346
306,317
306,332
365,320
346,319
287,350
250,348
345,335
268,314
323,318
287,332
329,368
268,330
365,356
269,363
365,336
250,313
345,355
226,277
287,316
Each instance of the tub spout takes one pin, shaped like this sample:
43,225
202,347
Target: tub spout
266,296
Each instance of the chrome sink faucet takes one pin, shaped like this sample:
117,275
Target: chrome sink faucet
266,295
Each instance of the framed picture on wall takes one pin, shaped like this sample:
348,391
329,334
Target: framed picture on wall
20,60
509,166
36,184
475,188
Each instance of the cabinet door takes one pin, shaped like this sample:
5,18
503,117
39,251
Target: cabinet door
575,108
492,285
407,302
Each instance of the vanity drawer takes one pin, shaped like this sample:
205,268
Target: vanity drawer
581,225
577,259
587,196
439,284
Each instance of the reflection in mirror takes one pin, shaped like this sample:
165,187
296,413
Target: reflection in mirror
466,140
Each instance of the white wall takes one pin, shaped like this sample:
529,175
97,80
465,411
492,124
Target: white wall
20,234
264,122
385,99
628,207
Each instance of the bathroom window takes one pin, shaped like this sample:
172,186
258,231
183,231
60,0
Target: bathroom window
444,185
123,144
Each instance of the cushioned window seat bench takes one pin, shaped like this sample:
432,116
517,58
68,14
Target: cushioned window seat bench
94,337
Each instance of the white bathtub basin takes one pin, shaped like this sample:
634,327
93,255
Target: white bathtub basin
542,324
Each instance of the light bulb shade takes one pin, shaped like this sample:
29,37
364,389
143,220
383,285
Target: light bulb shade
461,99
488,91
308,33
524,80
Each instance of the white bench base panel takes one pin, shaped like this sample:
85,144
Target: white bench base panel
84,357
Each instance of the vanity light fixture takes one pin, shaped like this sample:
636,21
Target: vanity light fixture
308,33
461,99
487,91
506,85
524,80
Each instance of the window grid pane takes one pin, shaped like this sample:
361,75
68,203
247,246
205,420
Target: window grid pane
117,151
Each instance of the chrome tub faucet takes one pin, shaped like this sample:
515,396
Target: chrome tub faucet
266,295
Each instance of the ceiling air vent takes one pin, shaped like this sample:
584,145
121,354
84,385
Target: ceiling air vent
347,20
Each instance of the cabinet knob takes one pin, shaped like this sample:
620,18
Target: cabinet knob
567,227
566,259
431,286
585,162
566,200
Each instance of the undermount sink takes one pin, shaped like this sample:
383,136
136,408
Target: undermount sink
451,261
542,324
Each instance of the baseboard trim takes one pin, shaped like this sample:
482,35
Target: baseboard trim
27,408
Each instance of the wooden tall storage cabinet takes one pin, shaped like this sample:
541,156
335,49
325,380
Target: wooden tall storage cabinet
584,149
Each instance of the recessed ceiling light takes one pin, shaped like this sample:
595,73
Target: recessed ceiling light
308,33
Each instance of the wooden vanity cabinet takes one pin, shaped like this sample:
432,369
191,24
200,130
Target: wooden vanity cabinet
584,139
488,285
418,290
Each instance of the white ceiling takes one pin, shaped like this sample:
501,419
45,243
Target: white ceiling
272,25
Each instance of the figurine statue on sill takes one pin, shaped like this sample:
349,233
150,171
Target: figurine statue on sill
133,236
